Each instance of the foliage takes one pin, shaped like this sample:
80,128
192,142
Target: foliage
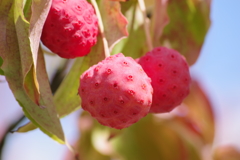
182,25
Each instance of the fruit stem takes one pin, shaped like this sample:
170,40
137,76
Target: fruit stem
146,24
71,149
101,28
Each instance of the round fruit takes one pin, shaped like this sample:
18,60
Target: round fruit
116,91
71,28
170,77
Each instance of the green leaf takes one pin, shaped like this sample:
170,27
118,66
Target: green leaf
135,44
51,121
66,98
27,9
31,85
115,24
152,138
189,23
1,62
4,11
43,116
29,126
16,52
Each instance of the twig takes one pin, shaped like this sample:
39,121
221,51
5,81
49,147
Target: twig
76,156
100,25
146,24
10,128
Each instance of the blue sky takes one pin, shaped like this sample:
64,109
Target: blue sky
219,60
218,69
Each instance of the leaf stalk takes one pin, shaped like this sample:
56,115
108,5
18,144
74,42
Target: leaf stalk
101,28
146,24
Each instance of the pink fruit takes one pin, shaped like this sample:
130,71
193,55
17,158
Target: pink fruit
71,28
170,77
116,91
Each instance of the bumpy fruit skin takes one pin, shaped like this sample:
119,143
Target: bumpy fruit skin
71,28
170,77
116,91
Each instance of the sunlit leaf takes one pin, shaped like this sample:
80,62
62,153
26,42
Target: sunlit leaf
126,6
28,127
115,24
17,66
189,23
149,3
22,33
44,116
1,62
30,86
4,11
27,10
52,118
40,11
135,44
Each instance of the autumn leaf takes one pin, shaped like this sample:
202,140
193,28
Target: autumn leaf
26,58
16,54
39,14
114,22
159,20
227,152
200,112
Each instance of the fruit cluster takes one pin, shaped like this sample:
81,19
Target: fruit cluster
119,90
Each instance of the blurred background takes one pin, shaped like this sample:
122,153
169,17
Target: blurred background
217,70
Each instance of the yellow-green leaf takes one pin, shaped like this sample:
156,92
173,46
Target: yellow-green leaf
17,66
189,23
135,44
1,62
